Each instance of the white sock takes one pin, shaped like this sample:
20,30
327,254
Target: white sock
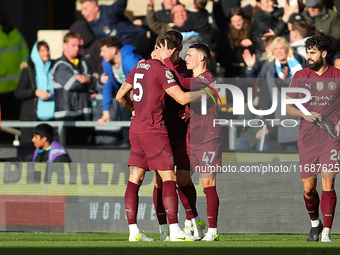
163,227
174,229
187,222
326,231
194,220
315,223
212,230
134,230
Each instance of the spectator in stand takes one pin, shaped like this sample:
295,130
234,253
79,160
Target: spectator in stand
270,20
161,15
73,83
89,45
323,21
239,38
13,51
277,72
298,35
179,17
198,21
293,18
110,21
35,89
47,149
118,60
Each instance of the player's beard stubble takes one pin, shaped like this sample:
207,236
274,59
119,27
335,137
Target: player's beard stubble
315,66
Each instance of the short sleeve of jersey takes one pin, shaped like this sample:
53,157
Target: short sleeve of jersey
295,84
129,79
166,77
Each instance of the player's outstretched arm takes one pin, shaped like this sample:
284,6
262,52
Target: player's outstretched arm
182,97
122,96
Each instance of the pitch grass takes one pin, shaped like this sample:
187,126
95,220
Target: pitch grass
102,244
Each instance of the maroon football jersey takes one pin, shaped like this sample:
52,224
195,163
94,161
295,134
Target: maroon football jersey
176,126
201,129
325,92
149,79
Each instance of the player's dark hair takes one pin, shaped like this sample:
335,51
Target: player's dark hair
203,48
172,42
44,130
175,33
111,41
318,41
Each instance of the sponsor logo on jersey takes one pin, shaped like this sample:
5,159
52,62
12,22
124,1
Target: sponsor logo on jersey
308,85
319,85
332,85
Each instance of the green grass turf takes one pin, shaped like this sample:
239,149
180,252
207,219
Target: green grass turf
102,244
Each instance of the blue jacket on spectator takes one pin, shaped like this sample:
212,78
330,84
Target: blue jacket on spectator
129,61
112,22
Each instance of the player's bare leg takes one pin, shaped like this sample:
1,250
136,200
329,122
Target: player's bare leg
187,194
131,203
312,201
328,203
209,185
170,202
159,208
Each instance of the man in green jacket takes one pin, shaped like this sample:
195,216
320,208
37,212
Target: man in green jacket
13,51
323,20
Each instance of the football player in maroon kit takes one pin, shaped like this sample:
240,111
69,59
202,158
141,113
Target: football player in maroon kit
203,139
150,145
317,151
177,130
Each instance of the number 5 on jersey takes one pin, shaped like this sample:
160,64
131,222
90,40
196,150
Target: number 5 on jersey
137,85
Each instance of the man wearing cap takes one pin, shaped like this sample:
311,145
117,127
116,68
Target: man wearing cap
323,21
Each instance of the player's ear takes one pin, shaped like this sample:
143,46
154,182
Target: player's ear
201,57
324,54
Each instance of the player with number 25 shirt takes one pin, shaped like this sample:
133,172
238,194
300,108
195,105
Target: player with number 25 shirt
318,152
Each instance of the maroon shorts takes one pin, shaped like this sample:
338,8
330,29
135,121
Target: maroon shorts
181,158
206,157
315,158
151,151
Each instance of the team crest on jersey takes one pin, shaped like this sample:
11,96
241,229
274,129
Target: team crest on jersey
106,30
319,85
332,85
168,74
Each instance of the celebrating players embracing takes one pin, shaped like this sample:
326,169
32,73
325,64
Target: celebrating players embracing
150,145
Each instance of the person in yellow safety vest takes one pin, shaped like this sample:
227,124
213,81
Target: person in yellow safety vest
13,51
